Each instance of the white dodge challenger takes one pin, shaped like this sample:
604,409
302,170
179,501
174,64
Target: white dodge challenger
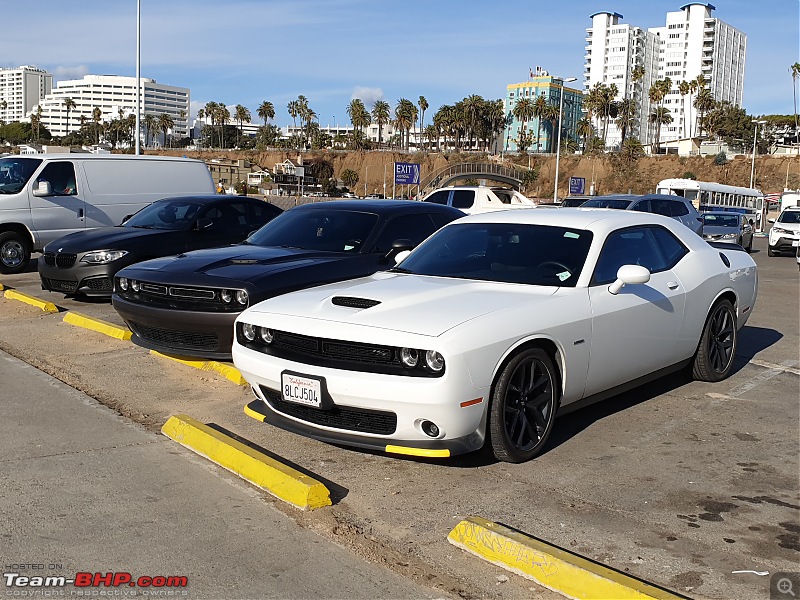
493,326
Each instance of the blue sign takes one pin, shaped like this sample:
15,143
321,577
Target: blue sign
406,173
577,186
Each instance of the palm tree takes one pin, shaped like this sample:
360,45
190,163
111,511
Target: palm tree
637,74
294,109
626,117
472,108
539,110
523,111
684,88
349,177
405,116
242,114
97,115
266,111
656,95
443,121
38,113
432,133
794,71
211,109
223,117
551,114
584,129
704,102
380,115
150,122
660,116
423,106
69,104
165,123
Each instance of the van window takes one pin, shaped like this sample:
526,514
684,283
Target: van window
61,176
439,197
463,198
15,173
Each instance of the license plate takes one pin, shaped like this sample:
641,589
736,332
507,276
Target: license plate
796,243
301,389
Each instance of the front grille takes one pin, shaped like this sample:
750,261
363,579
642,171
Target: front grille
60,260
349,419
351,351
59,285
99,284
354,302
192,293
153,288
186,340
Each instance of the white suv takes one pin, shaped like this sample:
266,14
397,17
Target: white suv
785,233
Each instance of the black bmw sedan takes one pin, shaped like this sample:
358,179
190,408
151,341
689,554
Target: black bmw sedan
85,262
187,304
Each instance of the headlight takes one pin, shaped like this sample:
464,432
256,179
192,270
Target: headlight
266,335
135,285
728,236
780,230
249,332
409,356
226,296
434,360
102,257
242,297
123,284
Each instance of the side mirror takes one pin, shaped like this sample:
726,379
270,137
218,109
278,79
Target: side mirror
126,219
771,220
203,223
43,189
401,256
629,275
399,246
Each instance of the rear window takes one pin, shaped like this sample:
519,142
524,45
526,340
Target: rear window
607,203
463,198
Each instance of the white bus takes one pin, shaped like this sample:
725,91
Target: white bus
708,195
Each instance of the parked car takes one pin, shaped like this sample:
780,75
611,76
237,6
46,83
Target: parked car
676,207
784,235
46,196
491,327
85,262
728,227
479,199
187,304
574,201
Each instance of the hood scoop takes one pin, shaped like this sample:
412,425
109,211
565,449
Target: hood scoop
351,302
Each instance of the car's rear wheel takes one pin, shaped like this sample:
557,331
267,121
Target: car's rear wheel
523,407
714,357
14,253
750,245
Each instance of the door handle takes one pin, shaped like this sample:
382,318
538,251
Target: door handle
673,285
80,213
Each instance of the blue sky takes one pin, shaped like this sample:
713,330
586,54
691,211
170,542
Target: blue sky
331,51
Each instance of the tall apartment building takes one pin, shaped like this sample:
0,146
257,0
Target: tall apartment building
112,94
544,134
692,42
21,89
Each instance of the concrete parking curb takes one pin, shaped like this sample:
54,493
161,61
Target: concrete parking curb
98,325
227,371
44,305
550,566
280,480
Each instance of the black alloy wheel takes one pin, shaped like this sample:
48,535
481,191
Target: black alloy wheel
14,253
714,357
523,407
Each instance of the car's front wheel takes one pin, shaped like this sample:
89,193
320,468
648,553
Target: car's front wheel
714,357
770,251
14,253
523,408
750,245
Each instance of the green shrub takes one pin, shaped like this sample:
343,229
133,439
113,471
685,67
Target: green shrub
721,159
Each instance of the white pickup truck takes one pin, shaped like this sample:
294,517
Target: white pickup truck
478,199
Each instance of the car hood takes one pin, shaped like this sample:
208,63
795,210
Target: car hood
104,238
411,303
240,262
788,226
716,230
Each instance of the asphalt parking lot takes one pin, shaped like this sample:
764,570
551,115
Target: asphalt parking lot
681,483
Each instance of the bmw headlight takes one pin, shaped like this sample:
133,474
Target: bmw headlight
249,331
102,257
242,297
434,361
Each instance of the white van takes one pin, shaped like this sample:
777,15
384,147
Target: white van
46,196
478,199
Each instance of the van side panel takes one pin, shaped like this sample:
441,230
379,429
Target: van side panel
121,187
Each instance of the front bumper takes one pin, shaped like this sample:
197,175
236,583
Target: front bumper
186,333
80,278
358,399
783,242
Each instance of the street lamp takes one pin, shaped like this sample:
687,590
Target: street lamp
558,147
753,164
138,74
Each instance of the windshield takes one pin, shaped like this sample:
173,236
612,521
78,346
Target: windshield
15,172
173,215
505,252
328,230
618,203
789,216
716,220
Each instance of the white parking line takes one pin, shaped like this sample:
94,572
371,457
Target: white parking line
788,366
773,370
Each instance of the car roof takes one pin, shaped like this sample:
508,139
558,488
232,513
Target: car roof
206,198
380,206
633,197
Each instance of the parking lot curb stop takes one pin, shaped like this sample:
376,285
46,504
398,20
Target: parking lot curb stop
98,325
227,371
280,480
44,305
548,565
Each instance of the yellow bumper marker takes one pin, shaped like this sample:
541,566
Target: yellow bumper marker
418,452
98,325
227,371
44,305
280,480
554,568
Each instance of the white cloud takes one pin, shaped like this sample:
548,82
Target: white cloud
369,96
63,72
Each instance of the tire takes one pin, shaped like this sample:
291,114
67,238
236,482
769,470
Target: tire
770,251
717,348
15,253
524,403
750,246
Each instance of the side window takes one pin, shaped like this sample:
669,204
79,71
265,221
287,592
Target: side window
259,214
61,176
439,197
662,207
651,247
672,250
410,227
643,206
679,209
463,198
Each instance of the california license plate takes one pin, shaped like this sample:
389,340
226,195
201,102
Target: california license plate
301,389
796,243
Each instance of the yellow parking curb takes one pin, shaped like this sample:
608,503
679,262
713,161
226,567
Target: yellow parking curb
1,287
98,325
550,566
280,480
227,371
33,301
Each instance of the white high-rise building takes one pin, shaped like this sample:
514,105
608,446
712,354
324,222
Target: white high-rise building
21,90
692,43
112,94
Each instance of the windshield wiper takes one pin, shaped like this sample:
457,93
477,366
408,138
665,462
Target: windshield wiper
401,270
